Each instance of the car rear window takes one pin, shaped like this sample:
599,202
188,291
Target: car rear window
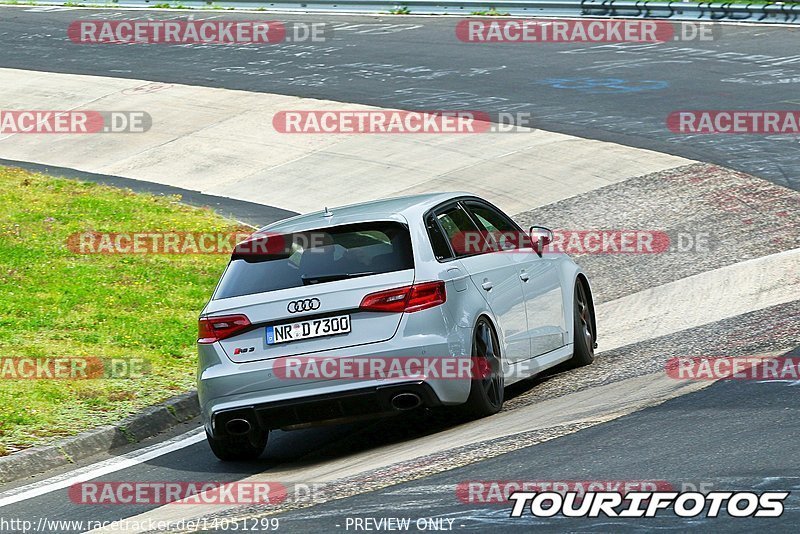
316,257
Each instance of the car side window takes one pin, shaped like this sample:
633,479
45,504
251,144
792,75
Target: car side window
438,242
464,237
501,230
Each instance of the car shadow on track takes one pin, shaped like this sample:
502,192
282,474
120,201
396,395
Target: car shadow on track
318,445
353,438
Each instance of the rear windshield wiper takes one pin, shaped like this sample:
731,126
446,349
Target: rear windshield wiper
332,277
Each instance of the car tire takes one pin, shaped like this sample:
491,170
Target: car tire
486,393
583,327
238,448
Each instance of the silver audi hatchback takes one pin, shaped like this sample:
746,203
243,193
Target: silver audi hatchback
436,300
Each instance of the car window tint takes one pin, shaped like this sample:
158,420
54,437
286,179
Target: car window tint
438,242
500,229
461,232
317,256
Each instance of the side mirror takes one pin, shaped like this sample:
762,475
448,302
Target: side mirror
540,238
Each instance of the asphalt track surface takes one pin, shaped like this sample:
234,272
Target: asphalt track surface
732,435
615,92
703,444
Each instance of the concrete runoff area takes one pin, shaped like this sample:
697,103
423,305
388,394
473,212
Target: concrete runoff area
221,142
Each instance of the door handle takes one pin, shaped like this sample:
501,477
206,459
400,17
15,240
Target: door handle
487,285
524,276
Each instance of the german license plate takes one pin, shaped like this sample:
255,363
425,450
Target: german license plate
327,326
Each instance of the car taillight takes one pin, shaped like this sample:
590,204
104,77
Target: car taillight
406,299
216,328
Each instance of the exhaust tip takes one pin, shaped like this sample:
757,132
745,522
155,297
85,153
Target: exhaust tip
405,401
238,427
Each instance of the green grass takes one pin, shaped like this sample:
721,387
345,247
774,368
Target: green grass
55,303
178,5
491,12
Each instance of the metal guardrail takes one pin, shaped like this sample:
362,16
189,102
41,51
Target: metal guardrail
721,11
655,9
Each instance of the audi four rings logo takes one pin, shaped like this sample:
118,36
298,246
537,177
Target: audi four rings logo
303,305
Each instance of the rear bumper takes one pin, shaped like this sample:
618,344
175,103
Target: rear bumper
322,408
225,387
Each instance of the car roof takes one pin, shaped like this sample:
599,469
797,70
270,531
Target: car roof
398,208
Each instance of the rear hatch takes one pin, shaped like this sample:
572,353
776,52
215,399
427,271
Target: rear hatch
319,278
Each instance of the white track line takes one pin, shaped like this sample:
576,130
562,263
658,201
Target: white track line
105,467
